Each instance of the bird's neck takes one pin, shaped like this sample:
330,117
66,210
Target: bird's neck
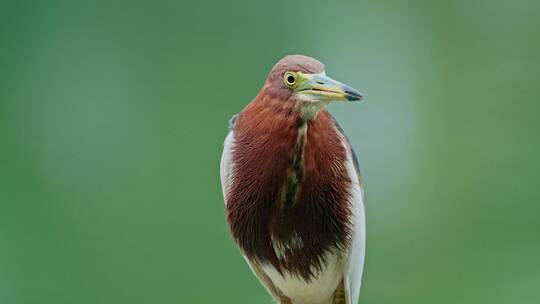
296,171
283,127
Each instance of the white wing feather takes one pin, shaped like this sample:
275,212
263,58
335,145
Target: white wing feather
226,164
355,262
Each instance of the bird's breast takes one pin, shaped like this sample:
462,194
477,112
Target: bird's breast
289,201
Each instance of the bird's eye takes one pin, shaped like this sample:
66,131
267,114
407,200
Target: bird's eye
290,79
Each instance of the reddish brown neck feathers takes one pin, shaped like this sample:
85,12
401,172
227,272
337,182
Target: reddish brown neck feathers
289,202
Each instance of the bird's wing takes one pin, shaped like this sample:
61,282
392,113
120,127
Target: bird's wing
226,159
354,265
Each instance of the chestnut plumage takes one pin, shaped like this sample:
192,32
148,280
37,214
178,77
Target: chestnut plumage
292,189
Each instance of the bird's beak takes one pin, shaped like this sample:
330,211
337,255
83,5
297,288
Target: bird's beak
319,87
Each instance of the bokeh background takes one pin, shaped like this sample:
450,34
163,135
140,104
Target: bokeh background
112,117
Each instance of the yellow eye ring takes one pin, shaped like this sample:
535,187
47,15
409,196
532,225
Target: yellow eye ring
290,79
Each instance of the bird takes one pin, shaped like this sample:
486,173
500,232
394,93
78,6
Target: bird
294,200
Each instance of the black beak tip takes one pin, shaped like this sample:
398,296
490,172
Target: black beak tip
353,95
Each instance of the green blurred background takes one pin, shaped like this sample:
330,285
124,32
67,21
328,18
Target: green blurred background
112,117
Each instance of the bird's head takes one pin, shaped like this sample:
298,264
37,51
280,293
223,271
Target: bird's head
302,81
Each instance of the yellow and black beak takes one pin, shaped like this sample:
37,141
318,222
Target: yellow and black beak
320,87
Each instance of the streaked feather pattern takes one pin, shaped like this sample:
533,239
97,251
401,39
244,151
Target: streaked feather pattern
352,261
